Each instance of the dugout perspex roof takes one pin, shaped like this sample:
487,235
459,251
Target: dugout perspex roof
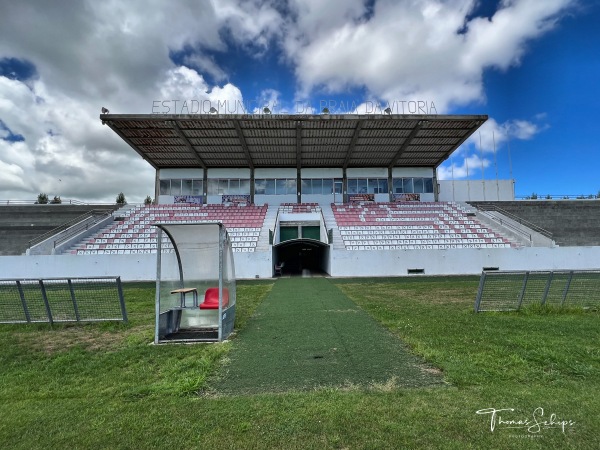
286,140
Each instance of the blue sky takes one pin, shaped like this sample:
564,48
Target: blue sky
531,66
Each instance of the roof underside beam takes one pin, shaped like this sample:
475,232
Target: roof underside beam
352,144
244,144
128,141
187,143
406,143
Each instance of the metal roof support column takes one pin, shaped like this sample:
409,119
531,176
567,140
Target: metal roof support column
298,162
156,186
252,186
344,186
205,187
436,187
390,184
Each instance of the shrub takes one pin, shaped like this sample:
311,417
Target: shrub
148,200
42,199
121,199
56,200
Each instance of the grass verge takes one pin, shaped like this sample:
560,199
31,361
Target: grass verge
134,395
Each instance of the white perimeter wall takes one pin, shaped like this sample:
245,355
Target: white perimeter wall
343,263
476,190
460,261
140,267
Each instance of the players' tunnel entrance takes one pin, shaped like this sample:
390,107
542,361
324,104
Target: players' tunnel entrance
301,257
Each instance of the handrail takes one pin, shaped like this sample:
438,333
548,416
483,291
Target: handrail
534,227
94,213
50,202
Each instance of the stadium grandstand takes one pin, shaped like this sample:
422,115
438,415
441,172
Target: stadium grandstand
341,195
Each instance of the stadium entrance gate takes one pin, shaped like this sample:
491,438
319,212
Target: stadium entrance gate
301,255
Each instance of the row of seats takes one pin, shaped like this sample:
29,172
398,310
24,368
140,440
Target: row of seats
134,232
382,226
297,208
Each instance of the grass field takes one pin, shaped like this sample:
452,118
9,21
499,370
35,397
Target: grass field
104,386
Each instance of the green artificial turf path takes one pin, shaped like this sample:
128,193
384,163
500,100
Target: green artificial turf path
308,334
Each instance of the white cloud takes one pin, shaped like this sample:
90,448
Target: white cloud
412,50
116,54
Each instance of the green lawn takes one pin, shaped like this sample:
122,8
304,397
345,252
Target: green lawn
104,386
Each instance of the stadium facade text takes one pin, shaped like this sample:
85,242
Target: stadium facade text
195,106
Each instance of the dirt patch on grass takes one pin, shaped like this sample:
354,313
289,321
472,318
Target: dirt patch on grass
60,340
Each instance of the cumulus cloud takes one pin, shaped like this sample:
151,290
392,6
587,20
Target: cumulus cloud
90,54
491,138
417,50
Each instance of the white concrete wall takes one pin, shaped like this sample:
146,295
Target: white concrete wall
165,174
229,173
274,199
367,172
460,261
343,263
316,198
405,172
317,172
476,190
140,267
284,172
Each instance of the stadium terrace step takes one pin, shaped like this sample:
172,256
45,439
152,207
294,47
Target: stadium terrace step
412,225
134,231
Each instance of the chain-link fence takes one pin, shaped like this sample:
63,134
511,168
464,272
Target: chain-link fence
62,300
510,291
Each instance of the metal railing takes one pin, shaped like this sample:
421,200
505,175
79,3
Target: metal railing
53,300
50,202
514,217
75,226
513,290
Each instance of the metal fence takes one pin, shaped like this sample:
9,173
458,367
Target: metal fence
512,290
62,300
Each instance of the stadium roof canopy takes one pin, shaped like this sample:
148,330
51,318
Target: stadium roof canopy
281,140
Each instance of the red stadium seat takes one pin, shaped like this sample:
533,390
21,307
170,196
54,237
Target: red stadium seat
211,298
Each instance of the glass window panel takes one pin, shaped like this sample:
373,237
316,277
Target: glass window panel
328,186
418,185
165,187
270,187
352,186
291,186
306,187
407,185
245,187
175,187
383,186
398,186
280,186
186,187
317,186
429,185
361,185
338,186
213,187
259,186
373,186
197,187
223,187
234,187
